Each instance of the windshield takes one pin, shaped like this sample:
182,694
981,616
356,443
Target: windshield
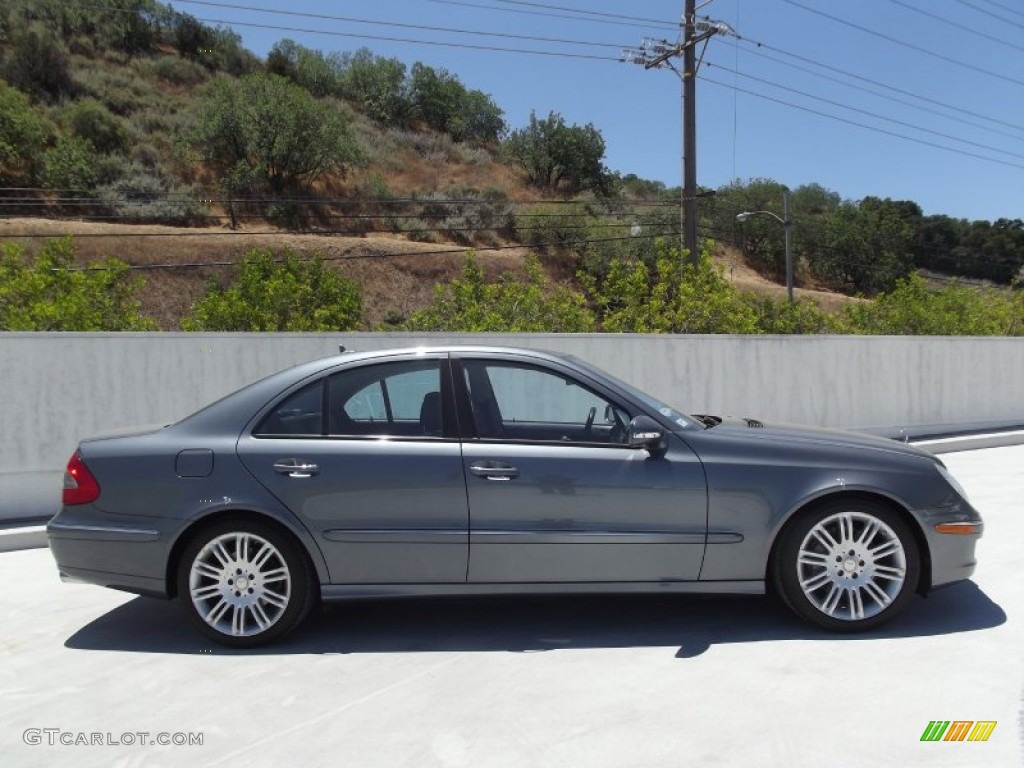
667,411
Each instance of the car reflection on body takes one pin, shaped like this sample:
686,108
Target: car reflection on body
485,470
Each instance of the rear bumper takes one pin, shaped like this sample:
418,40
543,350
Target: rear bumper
123,553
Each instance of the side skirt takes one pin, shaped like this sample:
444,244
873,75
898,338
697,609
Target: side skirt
375,591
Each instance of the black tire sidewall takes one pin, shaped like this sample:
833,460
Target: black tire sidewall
786,579
300,600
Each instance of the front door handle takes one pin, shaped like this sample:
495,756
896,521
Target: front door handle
494,470
295,468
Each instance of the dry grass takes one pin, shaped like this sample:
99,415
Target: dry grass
396,276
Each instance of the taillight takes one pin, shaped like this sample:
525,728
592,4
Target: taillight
80,487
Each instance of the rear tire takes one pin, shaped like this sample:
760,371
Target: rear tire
847,566
244,583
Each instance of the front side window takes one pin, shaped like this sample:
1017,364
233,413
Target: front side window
520,402
390,399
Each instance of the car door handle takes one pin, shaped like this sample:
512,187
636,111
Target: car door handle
493,470
295,468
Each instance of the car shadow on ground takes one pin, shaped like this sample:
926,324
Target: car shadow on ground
689,624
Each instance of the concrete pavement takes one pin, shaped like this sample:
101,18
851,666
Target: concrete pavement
617,681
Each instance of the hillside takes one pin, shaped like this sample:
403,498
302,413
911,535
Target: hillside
162,142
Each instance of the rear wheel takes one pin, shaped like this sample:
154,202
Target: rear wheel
848,566
244,583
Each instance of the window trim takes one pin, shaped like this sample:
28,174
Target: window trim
467,415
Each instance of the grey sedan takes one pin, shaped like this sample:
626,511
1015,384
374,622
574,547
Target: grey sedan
484,470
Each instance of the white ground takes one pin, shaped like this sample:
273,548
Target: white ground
616,682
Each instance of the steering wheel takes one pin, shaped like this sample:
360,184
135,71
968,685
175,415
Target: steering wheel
588,427
618,431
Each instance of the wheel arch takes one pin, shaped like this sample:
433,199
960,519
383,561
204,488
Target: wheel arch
924,580
202,524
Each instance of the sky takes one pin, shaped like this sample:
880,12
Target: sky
917,100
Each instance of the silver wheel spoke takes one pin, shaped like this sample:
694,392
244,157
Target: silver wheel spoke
877,593
816,581
830,603
204,593
218,610
868,534
886,549
278,574
207,570
845,528
885,572
813,559
856,604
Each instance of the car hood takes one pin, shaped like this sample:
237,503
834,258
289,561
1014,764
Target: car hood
798,433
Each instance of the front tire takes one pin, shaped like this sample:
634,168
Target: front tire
847,566
244,583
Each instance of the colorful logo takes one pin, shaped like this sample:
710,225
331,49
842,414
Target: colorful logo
958,730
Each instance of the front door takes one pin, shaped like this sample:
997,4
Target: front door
555,494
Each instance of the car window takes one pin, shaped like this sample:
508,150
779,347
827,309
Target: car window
298,414
521,402
390,399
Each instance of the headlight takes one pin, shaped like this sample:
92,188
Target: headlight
948,476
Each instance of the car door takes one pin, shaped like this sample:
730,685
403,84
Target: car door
555,494
369,459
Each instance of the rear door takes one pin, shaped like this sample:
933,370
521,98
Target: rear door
369,459
555,494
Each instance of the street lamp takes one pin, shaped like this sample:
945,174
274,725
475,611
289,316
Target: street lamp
787,223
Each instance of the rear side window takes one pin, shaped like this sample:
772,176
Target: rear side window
299,414
390,400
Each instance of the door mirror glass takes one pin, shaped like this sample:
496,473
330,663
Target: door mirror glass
645,432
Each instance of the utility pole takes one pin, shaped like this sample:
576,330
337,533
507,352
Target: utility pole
657,54
690,132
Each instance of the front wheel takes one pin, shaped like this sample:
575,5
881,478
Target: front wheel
847,566
244,583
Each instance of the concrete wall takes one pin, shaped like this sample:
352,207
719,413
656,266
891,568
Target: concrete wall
58,387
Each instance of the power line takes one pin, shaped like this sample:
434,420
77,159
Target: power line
957,25
879,83
865,126
618,16
620,24
865,89
400,25
868,113
904,43
994,15
410,41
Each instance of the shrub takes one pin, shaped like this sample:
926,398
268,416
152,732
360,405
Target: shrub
88,119
471,304
285,294
45,294
70,165
23,133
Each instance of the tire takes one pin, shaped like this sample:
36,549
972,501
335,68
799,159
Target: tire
244,583
847,566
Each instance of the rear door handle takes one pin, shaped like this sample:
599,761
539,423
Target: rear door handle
494,470
295,468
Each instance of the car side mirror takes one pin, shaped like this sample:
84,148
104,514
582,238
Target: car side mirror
644,432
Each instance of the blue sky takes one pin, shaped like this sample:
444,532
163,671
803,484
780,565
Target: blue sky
962,61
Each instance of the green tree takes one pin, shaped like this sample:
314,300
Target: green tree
279,294
866,247
377,85
671,297
45,293
263,130
555,155
471,304
23,134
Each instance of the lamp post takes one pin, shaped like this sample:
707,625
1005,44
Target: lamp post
787,223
